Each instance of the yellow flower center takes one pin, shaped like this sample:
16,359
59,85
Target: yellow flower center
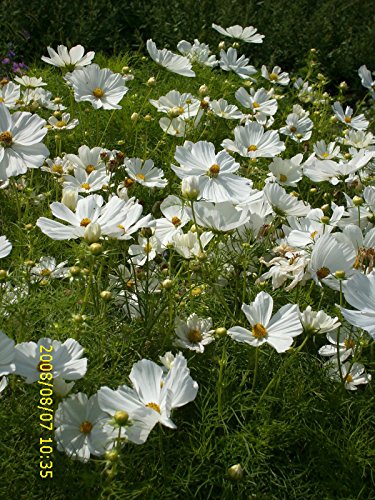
256,105
259,331
293,129
325,155
214,170
348,378
6,139
147,248
252,147
60,124
1,99
349,343
45,272
141,177
313,234
274,77
85,185
347,119
323,272
176,221
90,168
86,427
283,178
85,222
154,407
128,182
98,92
194,336
57,169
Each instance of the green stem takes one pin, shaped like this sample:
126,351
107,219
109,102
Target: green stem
255,374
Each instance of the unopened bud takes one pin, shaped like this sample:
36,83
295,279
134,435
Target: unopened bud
203,90
121,417
147,118
221,331
112,455
106,295
75,270
357,201
96,248
134,117
92,232
190,187
325,219
236,472
125,70
3,274
167,284
70,198
151,82
221,45
340,275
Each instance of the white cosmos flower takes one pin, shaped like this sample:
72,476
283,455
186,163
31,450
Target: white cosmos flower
187,245
248,34
7,355
154,395
88,210
64,123
175,218
297,128
131,221
344,341
276,76
197,52
87,159
329,170
20,142
82,182
284,203
358,123
222,216
259,101
359,139
10,95
170,61
332,259
278,331
359,292
47,268
305,231
67,359
31,82
194,333
292,266
82,428
326,151
251,141
175,126
74,58
216,172
318,321
177,105
353,375
239,65
287,172
221,108
145,251
101,87
367,79
39,97
5,247
145,173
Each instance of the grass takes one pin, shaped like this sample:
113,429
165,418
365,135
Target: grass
303,437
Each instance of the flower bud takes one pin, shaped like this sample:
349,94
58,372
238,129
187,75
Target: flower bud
203,90
221,331
112,455
3,274
190,187
167,284
325,219
70,198
75,270
125,70
324,208
134,117
147,118
121,417
106,295
340,275
96,248
235,45
221,45
357,201
236,472
343,86
151,82
92,232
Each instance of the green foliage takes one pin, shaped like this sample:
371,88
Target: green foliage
342,32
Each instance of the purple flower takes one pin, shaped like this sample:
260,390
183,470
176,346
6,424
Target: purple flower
6,60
